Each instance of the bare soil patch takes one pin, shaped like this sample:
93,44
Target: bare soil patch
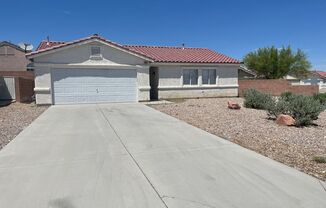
15,117
250,128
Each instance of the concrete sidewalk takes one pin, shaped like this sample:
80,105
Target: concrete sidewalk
129,155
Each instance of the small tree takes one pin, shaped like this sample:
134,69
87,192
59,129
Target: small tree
273,63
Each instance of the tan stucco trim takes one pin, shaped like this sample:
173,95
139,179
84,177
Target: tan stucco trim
196,87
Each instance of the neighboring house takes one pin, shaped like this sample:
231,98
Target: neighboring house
245,73
12,57
95,70
293,80
314,78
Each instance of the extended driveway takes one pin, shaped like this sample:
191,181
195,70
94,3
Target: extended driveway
129,155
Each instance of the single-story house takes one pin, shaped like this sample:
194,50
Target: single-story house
12,57
95,70
16,81
313,78
245,73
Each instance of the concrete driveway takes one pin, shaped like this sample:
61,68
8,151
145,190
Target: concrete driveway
129,155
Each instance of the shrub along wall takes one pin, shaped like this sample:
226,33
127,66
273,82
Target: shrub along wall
276,87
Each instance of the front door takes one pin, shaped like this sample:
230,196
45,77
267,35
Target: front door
153,77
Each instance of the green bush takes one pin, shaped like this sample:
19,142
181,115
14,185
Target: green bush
304,109
257,100
321,97
281,106
287,96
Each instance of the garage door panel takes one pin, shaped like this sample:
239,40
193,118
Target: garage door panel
94,85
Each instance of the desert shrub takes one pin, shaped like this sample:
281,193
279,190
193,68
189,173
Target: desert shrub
321,97
257,100
287,96
280,106
304,109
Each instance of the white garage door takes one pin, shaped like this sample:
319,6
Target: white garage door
72,86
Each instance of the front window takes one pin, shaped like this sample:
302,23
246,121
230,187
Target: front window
209,76
190,76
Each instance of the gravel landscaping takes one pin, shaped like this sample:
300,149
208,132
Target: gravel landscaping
15,117
250,128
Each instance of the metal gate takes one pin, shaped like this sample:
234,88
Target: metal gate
7,88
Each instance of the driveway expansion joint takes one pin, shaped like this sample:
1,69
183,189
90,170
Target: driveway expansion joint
132,157
322,184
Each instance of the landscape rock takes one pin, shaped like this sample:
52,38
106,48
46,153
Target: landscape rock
285,120
233,105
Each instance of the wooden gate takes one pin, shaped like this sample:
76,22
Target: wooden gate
7,88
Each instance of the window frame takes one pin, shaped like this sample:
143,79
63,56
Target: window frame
190,77
209,80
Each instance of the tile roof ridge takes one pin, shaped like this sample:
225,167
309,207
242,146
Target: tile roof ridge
173,47
53,41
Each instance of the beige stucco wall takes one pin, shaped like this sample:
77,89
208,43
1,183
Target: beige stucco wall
43,85
15,62
198,92
143,83
171,82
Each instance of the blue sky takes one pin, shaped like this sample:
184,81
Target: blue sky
230,27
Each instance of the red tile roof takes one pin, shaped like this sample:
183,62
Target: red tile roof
48,44
321,73
163,54
182,54
57,44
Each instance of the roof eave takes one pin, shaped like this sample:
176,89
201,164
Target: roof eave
194,63
6,43
82,42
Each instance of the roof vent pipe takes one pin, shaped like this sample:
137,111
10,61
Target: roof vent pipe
47,40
